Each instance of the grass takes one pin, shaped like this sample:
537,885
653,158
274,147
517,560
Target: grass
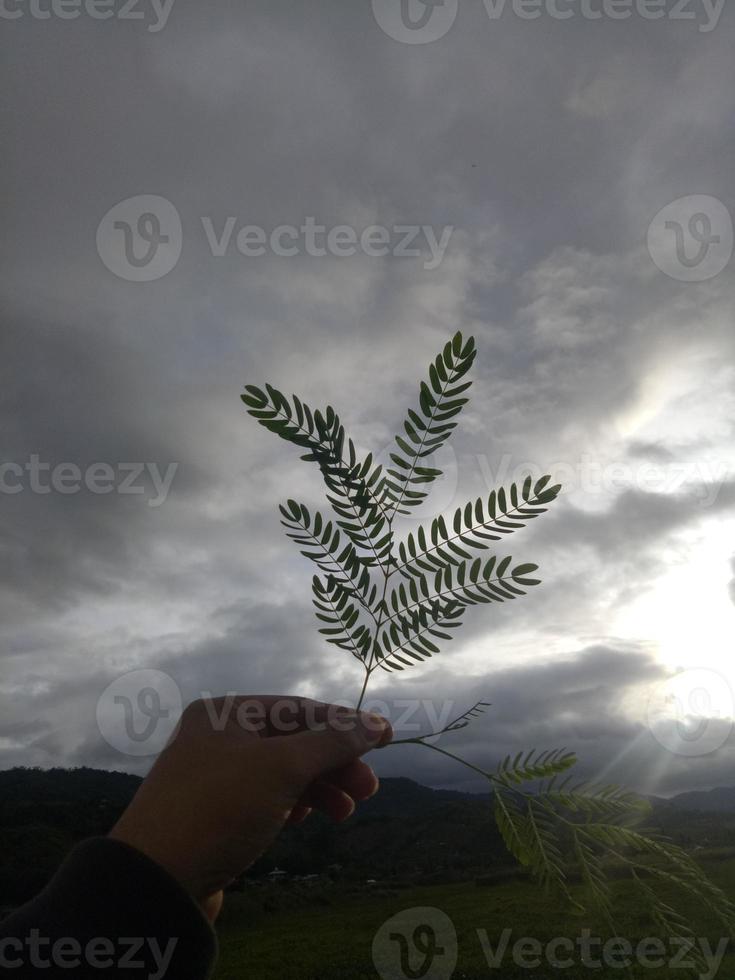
287,933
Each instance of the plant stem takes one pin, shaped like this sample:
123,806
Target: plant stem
368,671
369,667
435,748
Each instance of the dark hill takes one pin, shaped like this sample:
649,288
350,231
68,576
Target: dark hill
720,800
407,831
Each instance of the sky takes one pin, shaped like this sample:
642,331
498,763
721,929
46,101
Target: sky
319,196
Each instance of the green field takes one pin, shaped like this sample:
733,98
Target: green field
287,932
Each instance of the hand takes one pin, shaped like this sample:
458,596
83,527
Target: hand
235,772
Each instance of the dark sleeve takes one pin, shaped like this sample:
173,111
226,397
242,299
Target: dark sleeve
109,913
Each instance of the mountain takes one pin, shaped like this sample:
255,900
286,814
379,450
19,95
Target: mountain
406,832
720,800
39,786
57,794
43,813
403,795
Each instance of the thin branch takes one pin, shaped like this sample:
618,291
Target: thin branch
462,721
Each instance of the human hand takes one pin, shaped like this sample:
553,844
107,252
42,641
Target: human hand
236,770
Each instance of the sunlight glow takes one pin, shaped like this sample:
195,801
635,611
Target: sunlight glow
688,615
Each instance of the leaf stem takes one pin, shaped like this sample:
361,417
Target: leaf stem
368,672
450,755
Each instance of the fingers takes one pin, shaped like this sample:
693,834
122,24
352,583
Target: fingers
311,749
357,779
298,814
314,755
337,794
329,799
212,905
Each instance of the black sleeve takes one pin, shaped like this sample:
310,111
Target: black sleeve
109,913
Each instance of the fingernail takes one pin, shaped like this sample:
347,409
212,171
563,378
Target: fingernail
373,791
375,727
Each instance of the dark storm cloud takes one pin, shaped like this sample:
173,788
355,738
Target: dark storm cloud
73,396
650,451
580,701
549,147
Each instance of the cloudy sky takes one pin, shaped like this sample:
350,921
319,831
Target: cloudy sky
150,165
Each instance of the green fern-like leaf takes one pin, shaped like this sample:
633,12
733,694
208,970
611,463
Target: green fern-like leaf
342,618
451,590
351,484
535,765
426,552
404,640
428,428
671,922
392,607
321,541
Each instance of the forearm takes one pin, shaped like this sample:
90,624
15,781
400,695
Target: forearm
108,912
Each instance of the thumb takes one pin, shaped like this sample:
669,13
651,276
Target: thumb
317,752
